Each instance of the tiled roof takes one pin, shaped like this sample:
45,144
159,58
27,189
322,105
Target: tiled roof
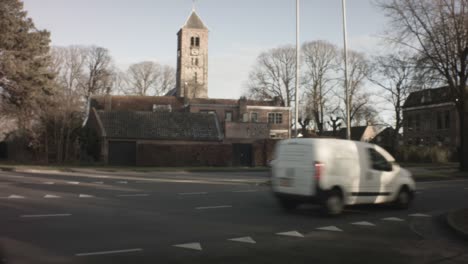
160,125
194,21
135,103
428,97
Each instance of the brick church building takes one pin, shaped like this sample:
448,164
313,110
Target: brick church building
185,127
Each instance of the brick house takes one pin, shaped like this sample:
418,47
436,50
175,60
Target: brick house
430,118
185,127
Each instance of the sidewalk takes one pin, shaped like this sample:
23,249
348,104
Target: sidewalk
458,221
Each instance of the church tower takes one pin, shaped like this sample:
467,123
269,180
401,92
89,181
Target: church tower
192,59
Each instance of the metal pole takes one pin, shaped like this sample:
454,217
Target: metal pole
296,116
345,39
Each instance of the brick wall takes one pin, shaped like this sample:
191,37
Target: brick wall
207,154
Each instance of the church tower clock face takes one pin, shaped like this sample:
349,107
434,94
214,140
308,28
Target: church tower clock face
192,61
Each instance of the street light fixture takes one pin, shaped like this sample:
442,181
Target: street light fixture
345,39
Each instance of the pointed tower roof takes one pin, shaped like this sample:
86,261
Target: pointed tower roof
194,21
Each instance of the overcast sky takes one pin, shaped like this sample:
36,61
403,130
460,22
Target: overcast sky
138,30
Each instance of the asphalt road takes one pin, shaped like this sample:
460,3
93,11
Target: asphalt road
211,218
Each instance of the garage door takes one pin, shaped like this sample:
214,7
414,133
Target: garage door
122,153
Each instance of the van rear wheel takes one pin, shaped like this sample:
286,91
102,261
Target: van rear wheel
333,203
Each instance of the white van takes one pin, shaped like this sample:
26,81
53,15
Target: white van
335,173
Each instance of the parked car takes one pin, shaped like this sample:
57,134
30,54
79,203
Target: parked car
336,173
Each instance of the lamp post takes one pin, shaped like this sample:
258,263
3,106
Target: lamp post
297,69
345,39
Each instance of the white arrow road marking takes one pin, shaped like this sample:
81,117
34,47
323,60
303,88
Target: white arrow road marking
243,240
395,219
73,182
420,215
213,207
193,193
291,233
109,252
133,195
330,228
194,246
14,196
85,196
122,182
363,223
51,196
44,215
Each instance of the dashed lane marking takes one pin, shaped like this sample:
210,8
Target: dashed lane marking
73,182
14,196
49,183
109,252
51,196
193,193
194,246
98,182
291,234
394,219
133,195
420,215
363,223
243,240
330,228
213,207
44,215
85,196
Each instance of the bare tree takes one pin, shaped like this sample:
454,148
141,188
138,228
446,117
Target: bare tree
98,72
321,62
358,71
274,75
438,31
149,78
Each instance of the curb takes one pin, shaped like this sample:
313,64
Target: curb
452,224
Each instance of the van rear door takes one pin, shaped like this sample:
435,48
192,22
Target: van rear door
293,169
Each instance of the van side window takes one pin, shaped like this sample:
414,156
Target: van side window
378,162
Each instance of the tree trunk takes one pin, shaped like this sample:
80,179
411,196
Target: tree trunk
463,119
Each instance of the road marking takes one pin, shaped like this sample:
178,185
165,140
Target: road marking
49,183
73,182
395,219
213,207
98,182
193,193
363,223
291,233
133,195
85,196
330,228
194,246
109,252
14,196
122,182
245,191
51,196
44,215
420,215
243,240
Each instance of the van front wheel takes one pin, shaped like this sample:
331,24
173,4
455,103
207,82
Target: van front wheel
403,198
333,203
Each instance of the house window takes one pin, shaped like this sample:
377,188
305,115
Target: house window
228,116
192,41
254,117
447,119
275,118
197,42
439,120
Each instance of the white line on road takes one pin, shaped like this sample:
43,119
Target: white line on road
51,196
363,223
109,252
133,195
73,182
213,207
243,240
49,183
98,182
14,196
395,219
330,228
420,215
291,233
194,246
193,193
122,182
85,196
44,215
